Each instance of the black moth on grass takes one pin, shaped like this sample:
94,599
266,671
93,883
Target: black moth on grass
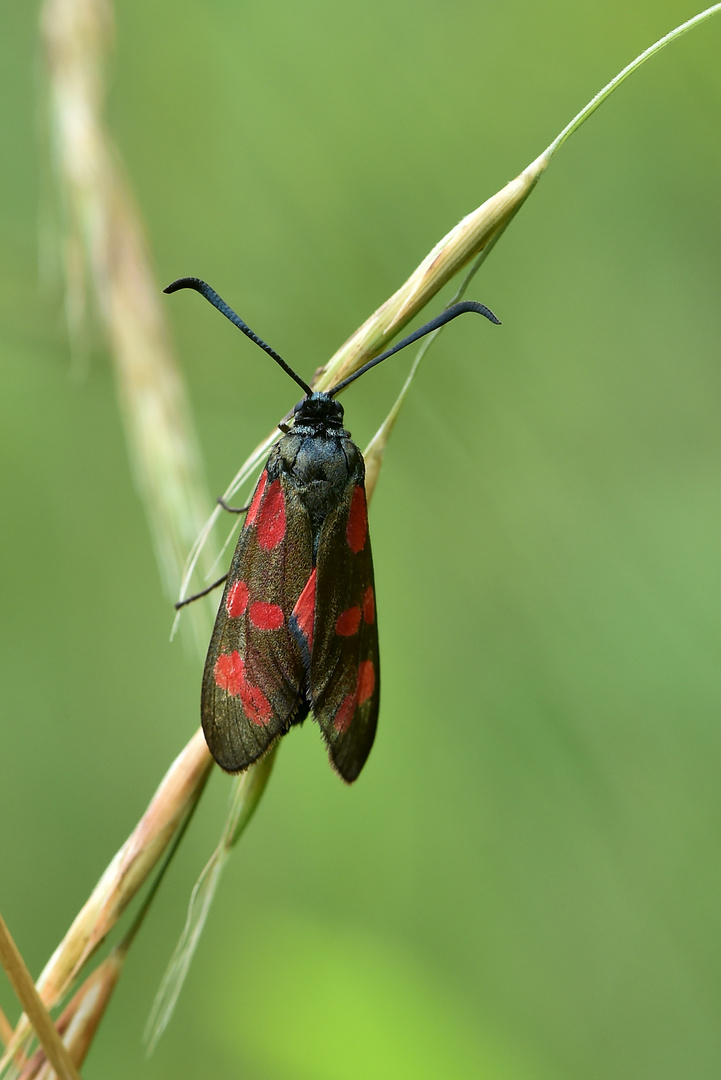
296,630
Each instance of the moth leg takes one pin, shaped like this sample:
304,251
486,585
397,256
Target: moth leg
232,509
203,592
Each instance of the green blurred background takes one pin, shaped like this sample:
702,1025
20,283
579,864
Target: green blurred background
526,881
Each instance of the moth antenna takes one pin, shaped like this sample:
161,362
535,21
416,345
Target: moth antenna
435,324
211,295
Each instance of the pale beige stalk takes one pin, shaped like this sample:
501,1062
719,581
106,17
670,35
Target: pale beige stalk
6,1029
79,1020
139,855
463,243
106,255
22,983
247,794
376,448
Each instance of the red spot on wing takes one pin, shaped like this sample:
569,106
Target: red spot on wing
229,672
366,680
256,705
357,527
304,611
266,616
347,623
237,599
365,685
257,496
271,519
230,675
369,605
345,714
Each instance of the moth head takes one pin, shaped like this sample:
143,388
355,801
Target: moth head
318,410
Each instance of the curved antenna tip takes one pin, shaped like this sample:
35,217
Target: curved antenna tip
184,283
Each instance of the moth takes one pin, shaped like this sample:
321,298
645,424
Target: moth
296,630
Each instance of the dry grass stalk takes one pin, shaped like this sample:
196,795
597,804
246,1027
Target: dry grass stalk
477,231
6,1029
79,1020
139,855
248,792
23,985
106,254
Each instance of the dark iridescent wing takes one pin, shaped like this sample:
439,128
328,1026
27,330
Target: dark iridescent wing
254,679
344,683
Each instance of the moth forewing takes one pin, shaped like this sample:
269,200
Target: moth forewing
345,670
254,679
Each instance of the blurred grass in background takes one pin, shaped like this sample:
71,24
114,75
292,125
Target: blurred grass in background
525,883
